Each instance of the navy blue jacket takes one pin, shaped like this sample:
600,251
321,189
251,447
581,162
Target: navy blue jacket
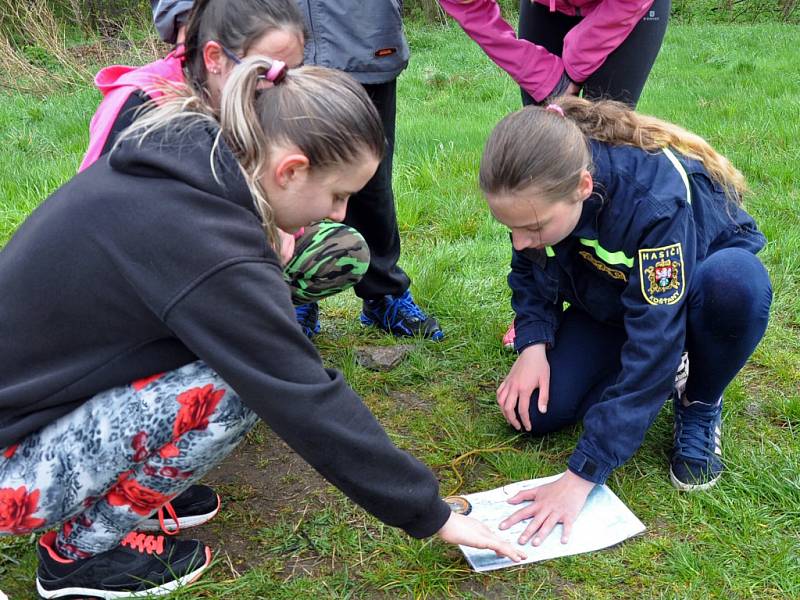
629,262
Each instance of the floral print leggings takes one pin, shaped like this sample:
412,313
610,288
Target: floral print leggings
114,460
109,464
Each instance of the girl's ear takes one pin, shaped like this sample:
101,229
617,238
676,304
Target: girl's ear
213,57
585,186
290,168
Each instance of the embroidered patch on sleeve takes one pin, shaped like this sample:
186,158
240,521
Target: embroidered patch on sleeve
661,274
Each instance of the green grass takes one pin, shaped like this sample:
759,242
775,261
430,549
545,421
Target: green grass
736,85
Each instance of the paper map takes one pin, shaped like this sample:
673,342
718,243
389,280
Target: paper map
603,522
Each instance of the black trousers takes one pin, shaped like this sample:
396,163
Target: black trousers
372,212
623,74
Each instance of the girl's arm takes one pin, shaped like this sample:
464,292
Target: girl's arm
655,325
240,321
535,69
589,43
534,298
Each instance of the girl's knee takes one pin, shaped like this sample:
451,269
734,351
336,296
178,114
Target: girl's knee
549,422
329,258
203,399
734,290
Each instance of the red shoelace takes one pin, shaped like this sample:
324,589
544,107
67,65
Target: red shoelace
144,542
168,507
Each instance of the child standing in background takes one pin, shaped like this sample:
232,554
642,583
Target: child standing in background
365,40
638,225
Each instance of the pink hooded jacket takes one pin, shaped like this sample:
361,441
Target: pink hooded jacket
605,26
117,83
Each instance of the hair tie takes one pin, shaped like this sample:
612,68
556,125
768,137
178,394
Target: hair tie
277,72
555,108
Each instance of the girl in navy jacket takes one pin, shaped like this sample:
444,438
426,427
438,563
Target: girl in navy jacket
637,226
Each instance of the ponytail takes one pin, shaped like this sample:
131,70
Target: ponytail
547,148
617,123
325,113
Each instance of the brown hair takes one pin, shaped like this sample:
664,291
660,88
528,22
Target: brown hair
236,25
536,147
324,112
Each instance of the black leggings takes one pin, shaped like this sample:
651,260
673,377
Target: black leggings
372,212
623,74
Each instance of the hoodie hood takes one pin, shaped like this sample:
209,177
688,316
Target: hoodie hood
186,151
117,83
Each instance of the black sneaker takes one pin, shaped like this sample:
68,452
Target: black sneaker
142,565
197,504
400,316
696,462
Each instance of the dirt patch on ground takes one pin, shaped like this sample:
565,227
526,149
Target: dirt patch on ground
262,481
405,401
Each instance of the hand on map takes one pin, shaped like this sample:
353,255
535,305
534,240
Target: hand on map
469,532
530,371
552,503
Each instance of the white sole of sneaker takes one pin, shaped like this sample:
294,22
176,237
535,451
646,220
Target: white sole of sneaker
182,523
690,487
161,590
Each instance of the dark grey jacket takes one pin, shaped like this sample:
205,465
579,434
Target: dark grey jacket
364,39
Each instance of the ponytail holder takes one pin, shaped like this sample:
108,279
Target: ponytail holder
277,72
555,108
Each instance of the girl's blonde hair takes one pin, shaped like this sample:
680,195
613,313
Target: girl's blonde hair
538,147
325,113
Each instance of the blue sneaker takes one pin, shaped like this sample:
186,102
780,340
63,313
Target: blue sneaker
696,461
400,316
308,318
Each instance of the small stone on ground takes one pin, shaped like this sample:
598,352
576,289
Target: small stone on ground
382,358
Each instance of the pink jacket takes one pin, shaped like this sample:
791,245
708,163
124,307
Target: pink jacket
117,83
605,26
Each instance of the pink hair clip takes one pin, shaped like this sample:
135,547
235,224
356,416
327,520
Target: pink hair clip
555,108
277,72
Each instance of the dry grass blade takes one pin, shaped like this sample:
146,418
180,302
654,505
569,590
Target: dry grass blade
14,67
459,459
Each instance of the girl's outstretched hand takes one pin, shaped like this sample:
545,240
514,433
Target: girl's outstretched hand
530,371
467,531
557,502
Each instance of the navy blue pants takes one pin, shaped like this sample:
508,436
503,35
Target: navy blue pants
727,310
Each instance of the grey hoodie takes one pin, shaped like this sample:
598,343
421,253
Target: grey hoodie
364,39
